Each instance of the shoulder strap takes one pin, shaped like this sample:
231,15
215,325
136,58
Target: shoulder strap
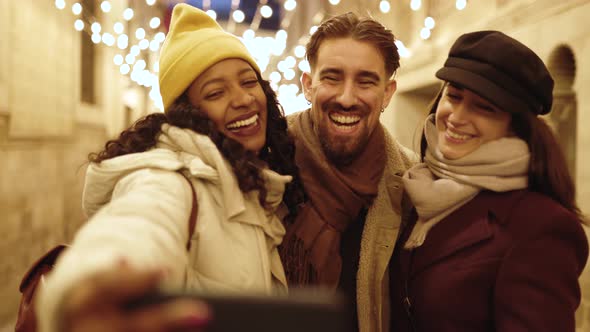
193,217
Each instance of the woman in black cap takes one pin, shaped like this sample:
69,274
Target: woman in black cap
495,241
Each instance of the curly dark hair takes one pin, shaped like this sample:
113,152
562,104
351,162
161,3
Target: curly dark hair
278,151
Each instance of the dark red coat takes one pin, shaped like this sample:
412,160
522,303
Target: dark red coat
502,262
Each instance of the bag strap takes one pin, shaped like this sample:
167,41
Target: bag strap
193,217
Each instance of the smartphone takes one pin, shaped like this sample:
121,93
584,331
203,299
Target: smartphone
300,310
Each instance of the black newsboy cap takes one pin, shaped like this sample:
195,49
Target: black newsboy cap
500,69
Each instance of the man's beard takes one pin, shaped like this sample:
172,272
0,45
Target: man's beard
342,151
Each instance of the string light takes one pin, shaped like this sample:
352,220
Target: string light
155,22
79,25
144,44
140,33
212,14
118,59
105,6
262,48
95,27
304,66
95,38
160,36
118,28
76,8
266,11
425,33
60,4
249,34
130,58
122,41
460,4
429,22
238,16
384,6
108,39
299,51
124,69
290,5
128,14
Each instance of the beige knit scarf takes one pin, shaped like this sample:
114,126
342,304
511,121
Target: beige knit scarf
440,186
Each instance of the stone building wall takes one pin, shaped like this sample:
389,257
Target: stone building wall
46,132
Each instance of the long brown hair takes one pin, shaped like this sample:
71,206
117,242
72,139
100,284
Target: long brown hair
278,151
548,172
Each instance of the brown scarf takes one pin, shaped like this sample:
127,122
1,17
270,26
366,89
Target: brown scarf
336,195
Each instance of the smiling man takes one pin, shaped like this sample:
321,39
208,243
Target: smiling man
344,235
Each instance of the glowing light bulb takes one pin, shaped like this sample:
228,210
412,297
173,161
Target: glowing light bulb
128,14
425,33
140,33
429,22
60,4
95,27
460,4
154,22
79,25
76,8
299,51
212,14
384,6
290,5
105,6
238,16
118,28
266,11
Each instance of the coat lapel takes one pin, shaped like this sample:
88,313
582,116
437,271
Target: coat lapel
465,227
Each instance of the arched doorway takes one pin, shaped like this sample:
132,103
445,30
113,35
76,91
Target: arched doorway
563,116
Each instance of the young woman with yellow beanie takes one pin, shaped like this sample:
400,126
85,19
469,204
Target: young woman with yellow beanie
224,131
495,242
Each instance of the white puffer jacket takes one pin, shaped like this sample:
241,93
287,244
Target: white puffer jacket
139,208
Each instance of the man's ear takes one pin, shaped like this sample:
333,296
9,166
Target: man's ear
306,84
390,88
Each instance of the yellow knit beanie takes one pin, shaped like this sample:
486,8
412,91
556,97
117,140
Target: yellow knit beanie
194,43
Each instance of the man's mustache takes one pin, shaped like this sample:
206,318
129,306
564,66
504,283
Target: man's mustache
333,106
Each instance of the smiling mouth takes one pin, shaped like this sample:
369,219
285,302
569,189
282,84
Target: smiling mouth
237,125
457,136
344,120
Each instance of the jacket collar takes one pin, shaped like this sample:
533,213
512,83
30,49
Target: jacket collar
175,150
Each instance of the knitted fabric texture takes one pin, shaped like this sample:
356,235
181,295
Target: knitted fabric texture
194,43
440,186
337,193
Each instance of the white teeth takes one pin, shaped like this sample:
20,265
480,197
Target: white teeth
457,136
345,119
243,123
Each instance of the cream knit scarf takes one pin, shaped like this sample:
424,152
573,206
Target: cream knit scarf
440,186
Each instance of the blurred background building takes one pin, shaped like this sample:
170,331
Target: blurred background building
74,73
